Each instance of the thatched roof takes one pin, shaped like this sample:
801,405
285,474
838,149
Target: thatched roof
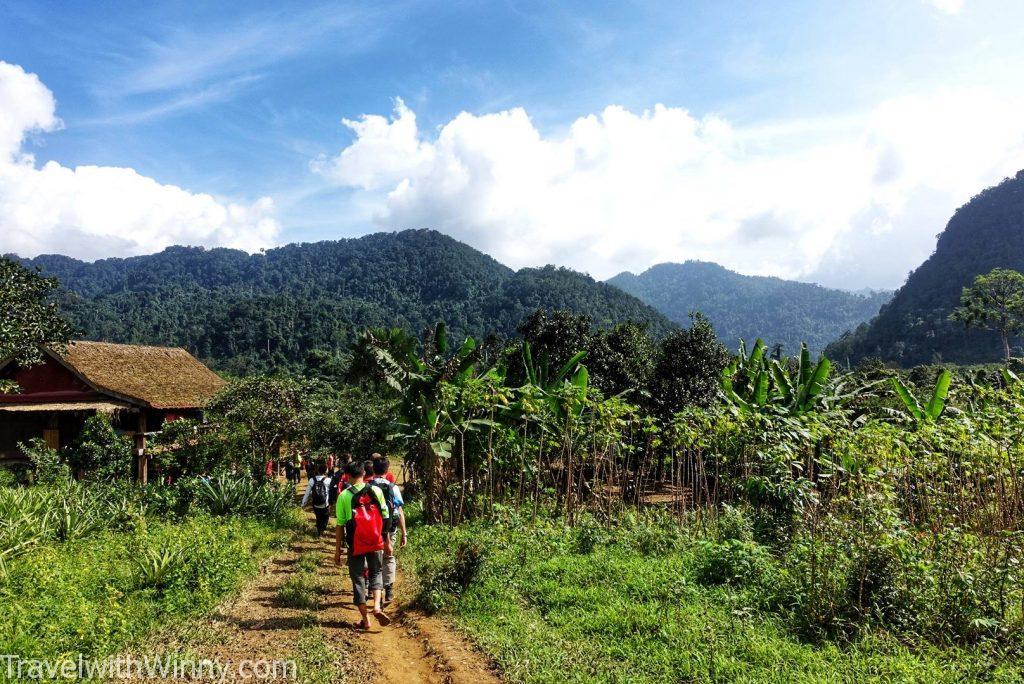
101,406
160,377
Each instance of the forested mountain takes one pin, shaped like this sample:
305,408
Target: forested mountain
251,312
745,307
985,233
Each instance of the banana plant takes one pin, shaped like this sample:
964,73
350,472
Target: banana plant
538,373
424,421
919,412
572,376
753,382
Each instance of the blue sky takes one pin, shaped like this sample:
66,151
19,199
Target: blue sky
243,101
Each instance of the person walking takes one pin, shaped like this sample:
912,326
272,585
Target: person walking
364,529
318,494
393,499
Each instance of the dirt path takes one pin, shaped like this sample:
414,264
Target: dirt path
271,619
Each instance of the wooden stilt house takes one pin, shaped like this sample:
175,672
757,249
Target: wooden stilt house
139,386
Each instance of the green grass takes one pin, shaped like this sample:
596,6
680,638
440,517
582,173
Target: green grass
552,604
303,589
88,596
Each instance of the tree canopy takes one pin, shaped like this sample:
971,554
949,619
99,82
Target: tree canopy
30,317
994,301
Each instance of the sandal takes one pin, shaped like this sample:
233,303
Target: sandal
362,625
382,618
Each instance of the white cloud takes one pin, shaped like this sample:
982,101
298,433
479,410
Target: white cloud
93,211
947,6
620,190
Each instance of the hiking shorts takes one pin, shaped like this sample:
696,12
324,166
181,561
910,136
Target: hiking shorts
365,571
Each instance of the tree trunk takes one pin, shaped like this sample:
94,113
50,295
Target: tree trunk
1004,336
433,483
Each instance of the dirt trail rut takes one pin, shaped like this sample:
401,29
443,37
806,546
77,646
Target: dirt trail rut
414,648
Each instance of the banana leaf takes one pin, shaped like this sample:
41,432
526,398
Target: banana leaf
569,366
531,373
441,337
911,403
761,389
783,385
815,385
938,400
804,370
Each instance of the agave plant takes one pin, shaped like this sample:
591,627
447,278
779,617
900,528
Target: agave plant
74,518
917,411
18,535
155,567
222,495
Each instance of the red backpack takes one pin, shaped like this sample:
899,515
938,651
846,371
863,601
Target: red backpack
365,531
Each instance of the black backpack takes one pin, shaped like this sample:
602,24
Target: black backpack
388,490
320,492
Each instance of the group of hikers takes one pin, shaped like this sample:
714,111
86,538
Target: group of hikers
368,507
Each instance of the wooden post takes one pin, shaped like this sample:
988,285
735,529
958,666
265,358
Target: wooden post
51,433
140,448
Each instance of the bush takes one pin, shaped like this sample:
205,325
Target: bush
449,574
732,561
101,452
8,478
47,464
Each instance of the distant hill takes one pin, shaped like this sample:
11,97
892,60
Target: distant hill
253,312
745,307
985,233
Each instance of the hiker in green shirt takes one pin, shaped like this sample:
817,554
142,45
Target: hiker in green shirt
364,525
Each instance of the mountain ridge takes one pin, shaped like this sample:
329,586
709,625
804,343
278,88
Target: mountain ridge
780,311
253,312
986,232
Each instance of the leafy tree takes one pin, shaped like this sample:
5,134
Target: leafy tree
688,366
621,359
556,335
353,420
264,411
29,318
995,301
101,452
188,447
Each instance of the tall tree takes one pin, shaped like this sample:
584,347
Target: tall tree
29,319
260,413
995,301
688,367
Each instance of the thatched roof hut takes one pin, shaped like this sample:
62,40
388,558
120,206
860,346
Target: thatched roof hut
157,377
141,385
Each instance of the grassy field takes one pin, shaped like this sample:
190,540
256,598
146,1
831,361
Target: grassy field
107,591
637,604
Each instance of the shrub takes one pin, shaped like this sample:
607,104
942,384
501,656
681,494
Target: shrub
47,464
101,452
731,561
449,574
8,478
